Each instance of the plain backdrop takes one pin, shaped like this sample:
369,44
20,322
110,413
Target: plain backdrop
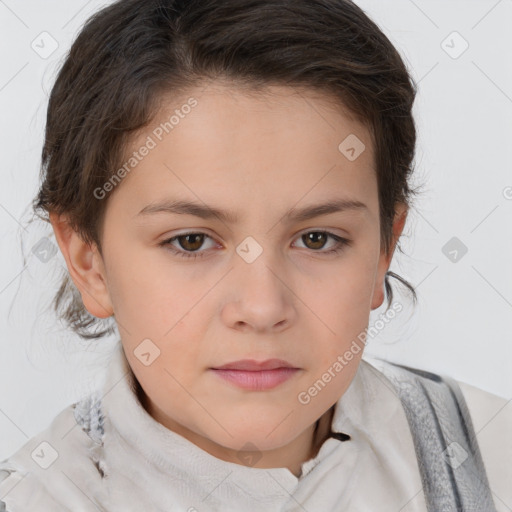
457,242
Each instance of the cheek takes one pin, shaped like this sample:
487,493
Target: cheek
342,306
144,300
162,305
343,298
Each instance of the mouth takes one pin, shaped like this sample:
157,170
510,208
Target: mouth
252,365
255,375
256,380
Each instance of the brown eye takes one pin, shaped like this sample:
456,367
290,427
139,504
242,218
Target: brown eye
315,239
191,242
187,245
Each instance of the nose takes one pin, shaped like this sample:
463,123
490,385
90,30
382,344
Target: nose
261,296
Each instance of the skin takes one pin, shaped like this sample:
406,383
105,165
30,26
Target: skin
259,156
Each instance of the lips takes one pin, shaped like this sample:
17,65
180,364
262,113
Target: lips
251,365
262,380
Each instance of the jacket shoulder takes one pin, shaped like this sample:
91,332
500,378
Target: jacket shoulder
10,477
37,476
487,416
492,419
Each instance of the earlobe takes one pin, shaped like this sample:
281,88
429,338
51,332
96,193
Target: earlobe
378,297
385,259
85,266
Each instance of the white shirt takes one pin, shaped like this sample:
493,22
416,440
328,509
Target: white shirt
151,468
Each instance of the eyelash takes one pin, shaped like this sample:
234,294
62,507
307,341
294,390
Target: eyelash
341,244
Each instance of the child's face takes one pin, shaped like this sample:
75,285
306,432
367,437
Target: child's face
257,158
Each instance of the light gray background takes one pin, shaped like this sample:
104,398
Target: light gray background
461,325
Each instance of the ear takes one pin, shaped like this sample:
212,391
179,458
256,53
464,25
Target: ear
85,266
385,259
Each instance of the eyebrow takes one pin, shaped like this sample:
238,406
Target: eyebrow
208,212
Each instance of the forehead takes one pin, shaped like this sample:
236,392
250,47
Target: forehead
278,144
220,108
225,102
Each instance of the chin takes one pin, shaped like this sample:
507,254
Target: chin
254,440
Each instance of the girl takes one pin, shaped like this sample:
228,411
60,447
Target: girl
227,181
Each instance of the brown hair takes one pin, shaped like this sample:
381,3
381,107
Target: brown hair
131,52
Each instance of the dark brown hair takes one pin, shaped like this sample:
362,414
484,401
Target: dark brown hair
132,52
